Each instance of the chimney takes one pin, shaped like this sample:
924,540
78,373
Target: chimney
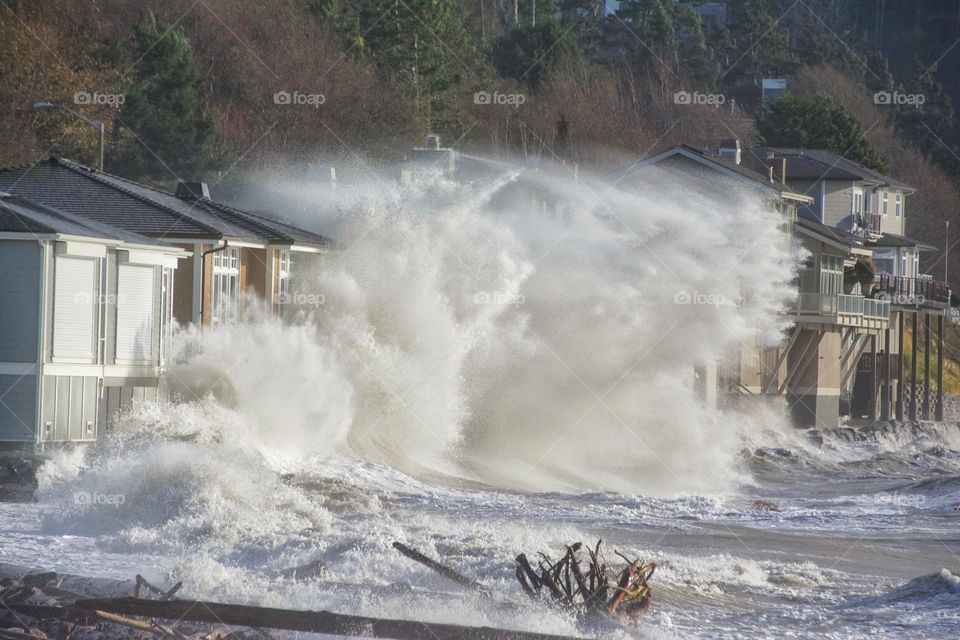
193,191
730,149
433,142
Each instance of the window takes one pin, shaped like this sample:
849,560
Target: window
166,312
857,203
76,308
884,202
283,276
831,274
225,293
898,205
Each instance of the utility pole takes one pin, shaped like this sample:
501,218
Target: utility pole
946,254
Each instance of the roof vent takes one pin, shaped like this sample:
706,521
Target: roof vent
193,191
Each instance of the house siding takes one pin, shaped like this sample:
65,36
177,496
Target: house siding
18,411
838,198
20,262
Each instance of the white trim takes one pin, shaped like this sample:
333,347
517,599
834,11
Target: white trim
73,369
246,244
299,248
148,258
82,249
197,258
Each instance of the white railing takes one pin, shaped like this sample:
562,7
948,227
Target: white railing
842,306
879,309
851,305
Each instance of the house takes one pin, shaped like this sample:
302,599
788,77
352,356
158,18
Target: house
84,322
230,251
873,206
833,325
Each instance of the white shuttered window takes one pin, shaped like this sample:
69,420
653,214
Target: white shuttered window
76,293
135,312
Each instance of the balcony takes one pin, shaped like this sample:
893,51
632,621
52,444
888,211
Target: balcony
844,310
871,222
922,291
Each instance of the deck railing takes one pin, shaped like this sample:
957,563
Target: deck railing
842,306
902,290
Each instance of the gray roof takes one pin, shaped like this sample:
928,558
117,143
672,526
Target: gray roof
818,164
20,215
713,158
892,240
82,191
847,239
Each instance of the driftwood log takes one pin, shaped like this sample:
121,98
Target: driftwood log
443,570
307,621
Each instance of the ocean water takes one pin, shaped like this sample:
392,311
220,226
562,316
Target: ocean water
478,376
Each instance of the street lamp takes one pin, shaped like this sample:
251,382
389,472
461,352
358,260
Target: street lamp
40,106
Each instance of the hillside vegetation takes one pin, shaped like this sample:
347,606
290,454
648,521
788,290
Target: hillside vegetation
189,89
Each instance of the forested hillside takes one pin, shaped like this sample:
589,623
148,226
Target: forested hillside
222,88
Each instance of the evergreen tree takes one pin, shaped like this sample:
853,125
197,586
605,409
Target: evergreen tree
762,45
698,63
164,107
421,44
816,123
527,53
927,118
654,41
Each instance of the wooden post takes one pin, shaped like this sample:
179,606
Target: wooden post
926,366
939,413
900,328
887,397
873,378
913,369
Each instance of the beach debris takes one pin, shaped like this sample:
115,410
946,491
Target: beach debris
592,589
443,570
29,611
765,505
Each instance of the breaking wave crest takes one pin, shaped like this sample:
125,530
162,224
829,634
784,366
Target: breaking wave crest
468,332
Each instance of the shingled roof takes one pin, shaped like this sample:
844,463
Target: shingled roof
817,164
75,189
21,215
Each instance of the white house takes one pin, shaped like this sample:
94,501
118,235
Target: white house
85,315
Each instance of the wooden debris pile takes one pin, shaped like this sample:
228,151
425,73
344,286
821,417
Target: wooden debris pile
591,589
